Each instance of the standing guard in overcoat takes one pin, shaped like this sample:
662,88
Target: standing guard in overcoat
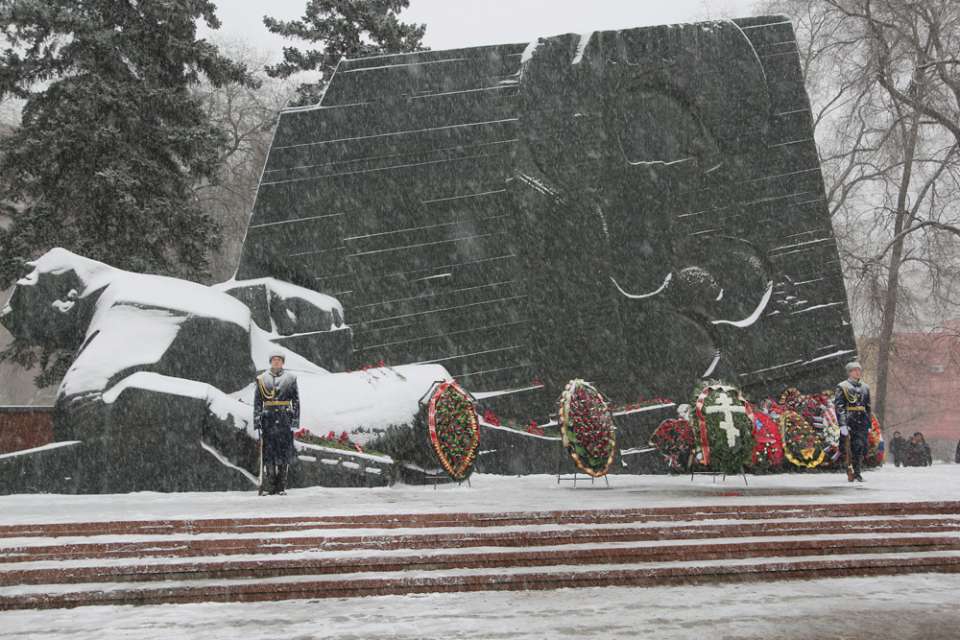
276,415
852,401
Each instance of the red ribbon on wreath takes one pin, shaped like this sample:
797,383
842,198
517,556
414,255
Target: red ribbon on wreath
702,419
461,471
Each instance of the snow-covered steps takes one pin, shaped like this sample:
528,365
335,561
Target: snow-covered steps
517,579
230,559
478,519
581,555
242,543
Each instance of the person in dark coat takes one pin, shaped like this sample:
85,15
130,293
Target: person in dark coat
852,402
276,415
897,447
917,452
957,457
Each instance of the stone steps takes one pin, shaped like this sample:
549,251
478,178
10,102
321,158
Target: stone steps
485,582
467,552
186,547
273,568
412,520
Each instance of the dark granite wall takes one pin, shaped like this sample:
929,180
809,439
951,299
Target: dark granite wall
508,216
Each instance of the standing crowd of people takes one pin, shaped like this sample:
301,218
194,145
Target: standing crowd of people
914,452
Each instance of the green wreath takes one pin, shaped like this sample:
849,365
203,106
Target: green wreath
724,429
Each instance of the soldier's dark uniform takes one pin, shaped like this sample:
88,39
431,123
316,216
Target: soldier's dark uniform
276,415
852,401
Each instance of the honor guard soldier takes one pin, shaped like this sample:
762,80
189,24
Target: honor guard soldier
852,401
276,415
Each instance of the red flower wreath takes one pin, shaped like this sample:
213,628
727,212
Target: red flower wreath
586,427
875,446
453,428
768,450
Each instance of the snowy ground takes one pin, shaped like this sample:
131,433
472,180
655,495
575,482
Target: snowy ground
913,606
499,493
921,606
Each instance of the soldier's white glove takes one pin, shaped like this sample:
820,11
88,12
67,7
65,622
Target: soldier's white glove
844,430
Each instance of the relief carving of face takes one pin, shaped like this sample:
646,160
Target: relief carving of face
642,132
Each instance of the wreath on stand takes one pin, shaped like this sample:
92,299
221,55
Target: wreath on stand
768,450
453,429
802,446
724,429
875,445
674,440
818,410
586,428
791,399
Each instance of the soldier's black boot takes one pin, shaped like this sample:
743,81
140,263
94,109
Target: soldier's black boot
271,479
278,483
282,479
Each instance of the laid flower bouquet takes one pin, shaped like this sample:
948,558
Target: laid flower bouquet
675,442
331,440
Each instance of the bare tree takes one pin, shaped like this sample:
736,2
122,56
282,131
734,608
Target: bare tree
247,116
884,91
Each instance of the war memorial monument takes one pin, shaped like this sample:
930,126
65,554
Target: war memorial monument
642,209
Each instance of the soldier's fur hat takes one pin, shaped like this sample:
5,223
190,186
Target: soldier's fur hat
854,365
276,353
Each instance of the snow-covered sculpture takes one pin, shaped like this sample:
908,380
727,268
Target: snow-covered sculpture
158,394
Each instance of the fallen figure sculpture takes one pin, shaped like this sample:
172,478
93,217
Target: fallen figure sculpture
158,395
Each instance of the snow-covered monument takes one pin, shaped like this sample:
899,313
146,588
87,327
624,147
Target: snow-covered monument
641,208
159,393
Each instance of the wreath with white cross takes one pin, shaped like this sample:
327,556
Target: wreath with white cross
724,426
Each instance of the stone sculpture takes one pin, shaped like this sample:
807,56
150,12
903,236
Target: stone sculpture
640,208
158,396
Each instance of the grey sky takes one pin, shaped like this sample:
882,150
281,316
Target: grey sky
457,23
